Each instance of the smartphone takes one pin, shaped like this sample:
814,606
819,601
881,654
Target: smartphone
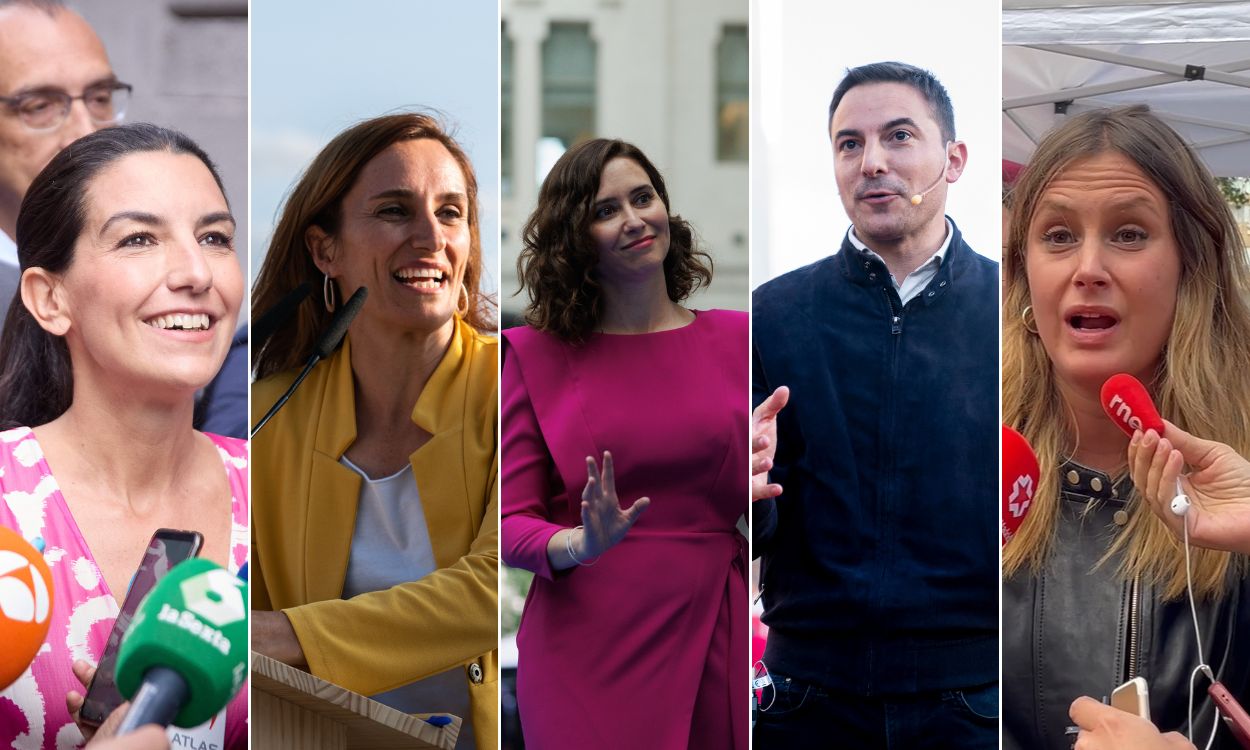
1133,697
1235,717
167,548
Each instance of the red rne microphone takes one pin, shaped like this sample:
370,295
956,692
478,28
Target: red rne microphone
1020,478
1128,404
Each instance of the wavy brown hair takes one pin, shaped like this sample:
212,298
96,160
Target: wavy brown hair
557,265
1203,381
317,200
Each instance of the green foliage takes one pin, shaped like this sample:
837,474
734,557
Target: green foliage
516,584
1236,190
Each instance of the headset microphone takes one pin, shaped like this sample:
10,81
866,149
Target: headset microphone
919,197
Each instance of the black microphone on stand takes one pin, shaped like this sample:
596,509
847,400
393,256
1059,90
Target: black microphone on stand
274,318
326,345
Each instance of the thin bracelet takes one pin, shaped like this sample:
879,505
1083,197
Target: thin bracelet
568,546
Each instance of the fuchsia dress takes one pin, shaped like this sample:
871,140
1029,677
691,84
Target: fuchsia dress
32,710
648,647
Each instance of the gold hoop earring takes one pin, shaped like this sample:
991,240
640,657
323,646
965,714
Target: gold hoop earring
1026,319
327,293
463,309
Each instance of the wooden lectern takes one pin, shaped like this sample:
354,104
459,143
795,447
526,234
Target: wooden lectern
293,710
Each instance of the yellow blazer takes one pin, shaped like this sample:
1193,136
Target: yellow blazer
304,512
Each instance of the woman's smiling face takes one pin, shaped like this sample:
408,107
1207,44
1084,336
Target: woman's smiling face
152,294
404,233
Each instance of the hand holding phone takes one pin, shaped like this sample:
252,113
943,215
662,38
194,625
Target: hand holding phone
1133,697
167,548
1234,716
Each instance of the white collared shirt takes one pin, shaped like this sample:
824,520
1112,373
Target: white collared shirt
8,250
917,280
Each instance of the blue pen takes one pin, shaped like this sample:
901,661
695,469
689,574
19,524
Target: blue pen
438,721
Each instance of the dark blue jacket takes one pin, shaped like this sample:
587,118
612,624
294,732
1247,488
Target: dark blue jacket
880,558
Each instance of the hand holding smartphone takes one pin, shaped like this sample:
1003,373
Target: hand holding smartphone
167,548
1133,697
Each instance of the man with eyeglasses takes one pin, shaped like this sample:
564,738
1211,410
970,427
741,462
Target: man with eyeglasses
56,85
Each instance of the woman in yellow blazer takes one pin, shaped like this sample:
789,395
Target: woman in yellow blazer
375,519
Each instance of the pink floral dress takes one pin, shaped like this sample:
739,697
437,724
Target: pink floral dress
32,709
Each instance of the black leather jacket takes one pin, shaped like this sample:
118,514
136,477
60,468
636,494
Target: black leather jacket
1078,629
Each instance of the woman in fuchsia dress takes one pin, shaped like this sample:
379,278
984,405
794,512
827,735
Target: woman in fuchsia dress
625,470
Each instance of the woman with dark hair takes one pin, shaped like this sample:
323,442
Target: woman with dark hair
129,295
635,622
1122,256
375,530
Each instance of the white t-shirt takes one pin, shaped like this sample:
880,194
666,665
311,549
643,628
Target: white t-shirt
391,545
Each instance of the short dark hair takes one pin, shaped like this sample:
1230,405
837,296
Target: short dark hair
557,262
36,380
896,72
47,6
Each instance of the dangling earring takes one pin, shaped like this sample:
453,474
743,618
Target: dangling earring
1026,319
327,293
463,308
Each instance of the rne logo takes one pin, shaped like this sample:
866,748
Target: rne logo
1122,412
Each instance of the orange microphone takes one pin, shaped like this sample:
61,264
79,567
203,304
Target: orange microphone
25,604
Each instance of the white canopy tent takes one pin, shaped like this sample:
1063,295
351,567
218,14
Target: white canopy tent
1190,61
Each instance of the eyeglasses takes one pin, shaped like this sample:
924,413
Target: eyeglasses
47,109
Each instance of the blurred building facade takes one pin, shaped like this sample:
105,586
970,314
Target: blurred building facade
187,61
670,76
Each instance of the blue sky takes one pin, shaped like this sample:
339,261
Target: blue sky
317,68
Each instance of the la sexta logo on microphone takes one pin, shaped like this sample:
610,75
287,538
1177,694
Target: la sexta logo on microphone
211,598
1021,496
1123,413
216,596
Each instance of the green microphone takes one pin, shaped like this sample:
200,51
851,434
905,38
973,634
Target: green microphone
185,655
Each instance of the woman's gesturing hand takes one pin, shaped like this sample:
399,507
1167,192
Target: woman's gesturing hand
603,522
1218,486
764,443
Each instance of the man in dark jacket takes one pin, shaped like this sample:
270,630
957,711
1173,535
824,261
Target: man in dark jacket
875,487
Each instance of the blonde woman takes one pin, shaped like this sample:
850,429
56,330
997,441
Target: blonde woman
1121,257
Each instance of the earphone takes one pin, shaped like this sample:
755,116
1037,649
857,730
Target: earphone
1180,507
